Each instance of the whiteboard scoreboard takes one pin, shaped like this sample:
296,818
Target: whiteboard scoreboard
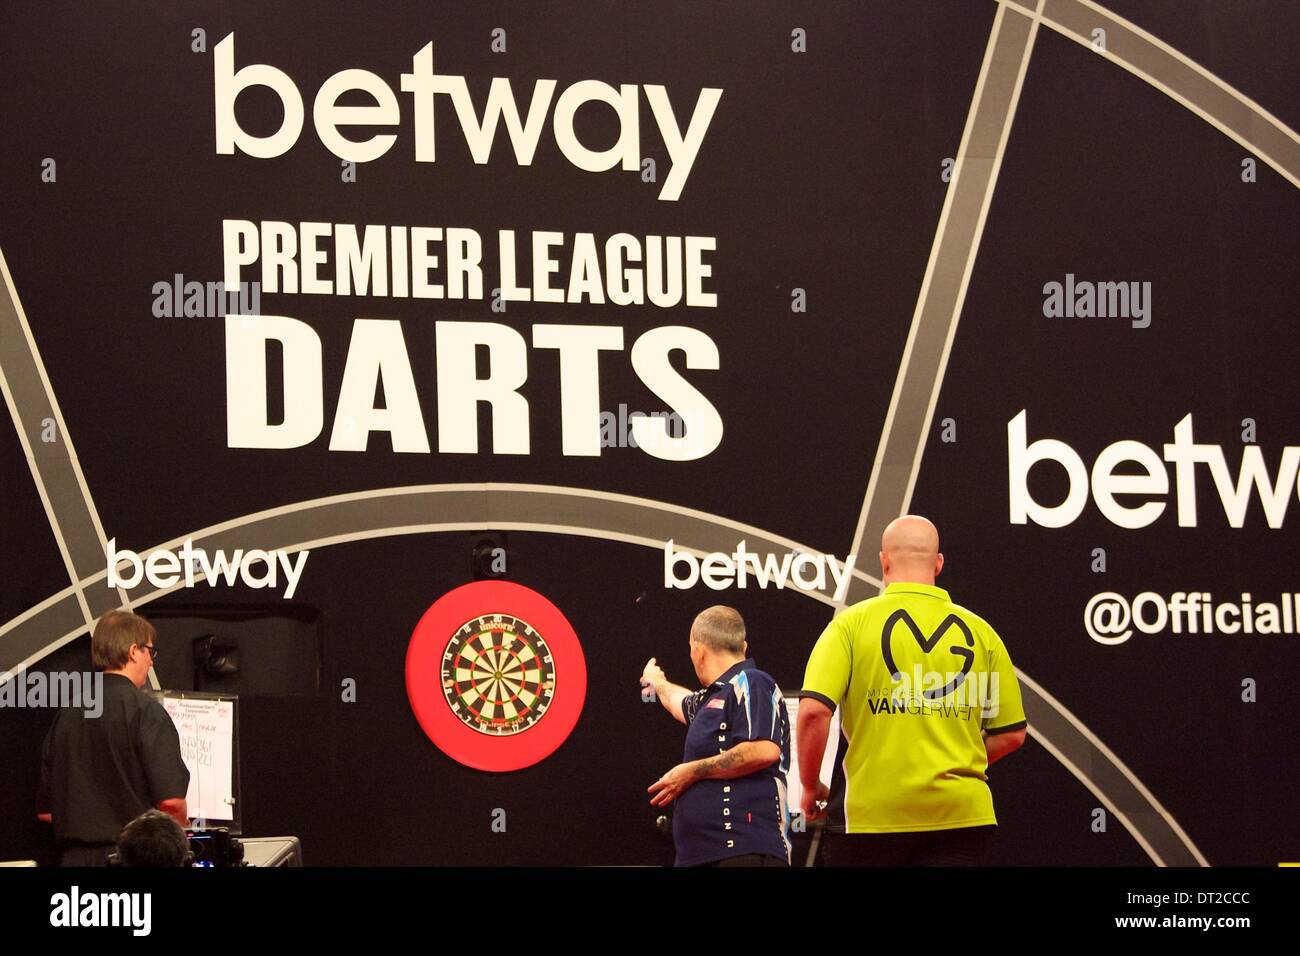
208,729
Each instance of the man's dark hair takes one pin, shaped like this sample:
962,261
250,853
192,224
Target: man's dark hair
153,839
116,632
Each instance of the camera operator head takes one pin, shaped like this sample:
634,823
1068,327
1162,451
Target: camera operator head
153,839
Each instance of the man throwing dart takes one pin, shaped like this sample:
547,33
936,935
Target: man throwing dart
730,786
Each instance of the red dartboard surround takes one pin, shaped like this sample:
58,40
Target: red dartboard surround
451,626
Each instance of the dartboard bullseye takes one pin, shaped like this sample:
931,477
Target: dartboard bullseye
498,674
495,675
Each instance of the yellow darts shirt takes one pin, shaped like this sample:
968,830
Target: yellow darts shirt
917,679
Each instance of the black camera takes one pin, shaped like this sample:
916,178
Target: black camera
216,848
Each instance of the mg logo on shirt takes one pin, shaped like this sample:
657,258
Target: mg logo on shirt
927,644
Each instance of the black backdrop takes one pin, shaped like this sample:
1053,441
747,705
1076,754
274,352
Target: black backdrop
820,171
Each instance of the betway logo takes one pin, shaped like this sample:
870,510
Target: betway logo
1143,473
500,108
165,569
719,570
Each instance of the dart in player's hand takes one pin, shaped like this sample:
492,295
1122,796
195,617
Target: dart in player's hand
651,677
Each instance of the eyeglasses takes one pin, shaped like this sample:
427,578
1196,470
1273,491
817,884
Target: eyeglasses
153,651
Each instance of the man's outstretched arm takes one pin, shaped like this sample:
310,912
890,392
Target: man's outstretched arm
670,695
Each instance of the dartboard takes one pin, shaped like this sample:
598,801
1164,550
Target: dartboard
495,675
498,674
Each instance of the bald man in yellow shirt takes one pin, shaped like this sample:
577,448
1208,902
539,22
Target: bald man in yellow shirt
928,698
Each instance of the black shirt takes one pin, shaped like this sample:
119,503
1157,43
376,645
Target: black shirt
100,773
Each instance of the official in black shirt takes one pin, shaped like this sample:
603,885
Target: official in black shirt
98,773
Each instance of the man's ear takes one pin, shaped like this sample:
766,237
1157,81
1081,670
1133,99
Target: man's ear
884,563
744,648
938,563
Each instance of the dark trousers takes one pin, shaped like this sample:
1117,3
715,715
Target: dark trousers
749,859
85,855
964,846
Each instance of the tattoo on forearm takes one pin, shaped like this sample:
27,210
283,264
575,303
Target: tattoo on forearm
730,759
733,758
